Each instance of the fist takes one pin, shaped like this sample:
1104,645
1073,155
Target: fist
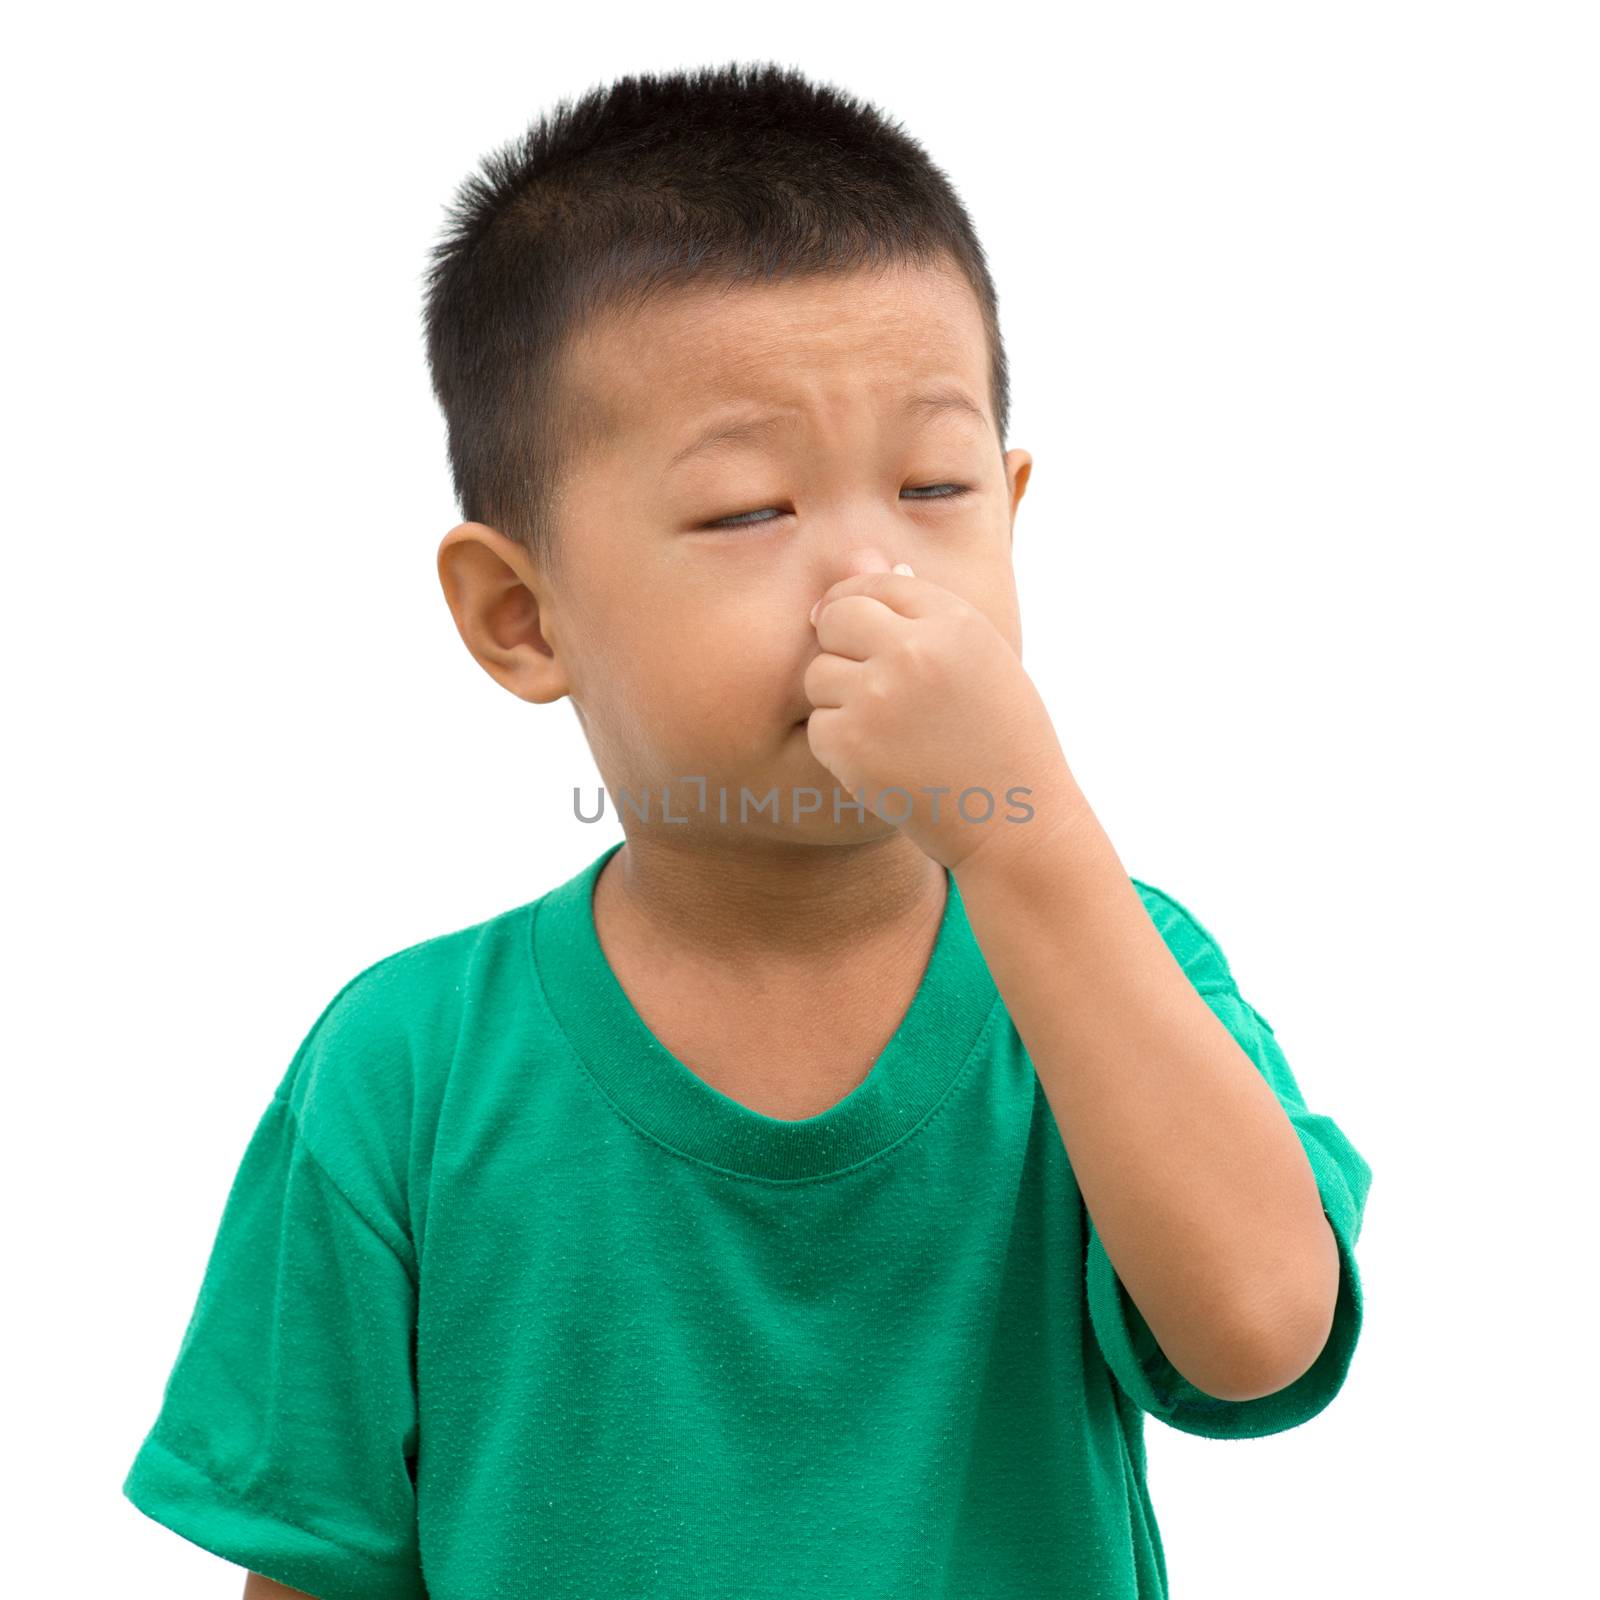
923,712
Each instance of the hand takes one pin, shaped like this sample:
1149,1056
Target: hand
917,692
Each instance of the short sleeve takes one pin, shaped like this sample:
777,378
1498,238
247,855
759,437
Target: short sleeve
287,1431
1343,1177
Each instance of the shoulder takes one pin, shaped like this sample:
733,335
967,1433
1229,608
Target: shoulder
1190,942
373,1066
413,991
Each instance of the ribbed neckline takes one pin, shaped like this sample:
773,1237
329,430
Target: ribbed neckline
649,1085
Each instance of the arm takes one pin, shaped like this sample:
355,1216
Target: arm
258,1588
1194,1176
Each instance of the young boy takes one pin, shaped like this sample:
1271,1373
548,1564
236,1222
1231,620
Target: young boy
810,1197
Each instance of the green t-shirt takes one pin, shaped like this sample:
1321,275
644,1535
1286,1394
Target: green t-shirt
505,1300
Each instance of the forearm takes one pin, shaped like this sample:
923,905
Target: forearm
257,1587
1193,1174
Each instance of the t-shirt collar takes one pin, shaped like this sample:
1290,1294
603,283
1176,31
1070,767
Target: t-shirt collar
939,1033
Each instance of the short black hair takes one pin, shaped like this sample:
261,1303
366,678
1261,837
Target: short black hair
732,174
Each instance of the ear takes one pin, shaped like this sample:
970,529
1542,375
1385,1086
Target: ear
1019,466
493,591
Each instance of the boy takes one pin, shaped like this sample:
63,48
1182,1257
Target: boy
804,1199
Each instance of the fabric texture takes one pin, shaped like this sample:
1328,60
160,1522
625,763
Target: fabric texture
505,1300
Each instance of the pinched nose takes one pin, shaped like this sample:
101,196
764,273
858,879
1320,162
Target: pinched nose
864,558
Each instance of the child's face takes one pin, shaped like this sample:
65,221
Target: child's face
684,645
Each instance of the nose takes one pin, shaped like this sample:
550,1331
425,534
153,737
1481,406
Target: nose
864,558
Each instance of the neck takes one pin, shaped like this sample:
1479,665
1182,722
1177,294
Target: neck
789,904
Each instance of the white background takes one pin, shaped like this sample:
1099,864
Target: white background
1300,303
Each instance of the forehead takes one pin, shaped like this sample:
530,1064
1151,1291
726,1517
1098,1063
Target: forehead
802,341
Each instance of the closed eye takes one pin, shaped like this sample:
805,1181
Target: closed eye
932,491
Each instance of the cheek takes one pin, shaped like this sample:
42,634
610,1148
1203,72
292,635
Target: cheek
625,659
725,647
703,660
992,589
692,685
1009,623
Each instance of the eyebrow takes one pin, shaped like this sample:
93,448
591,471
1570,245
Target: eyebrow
929,404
